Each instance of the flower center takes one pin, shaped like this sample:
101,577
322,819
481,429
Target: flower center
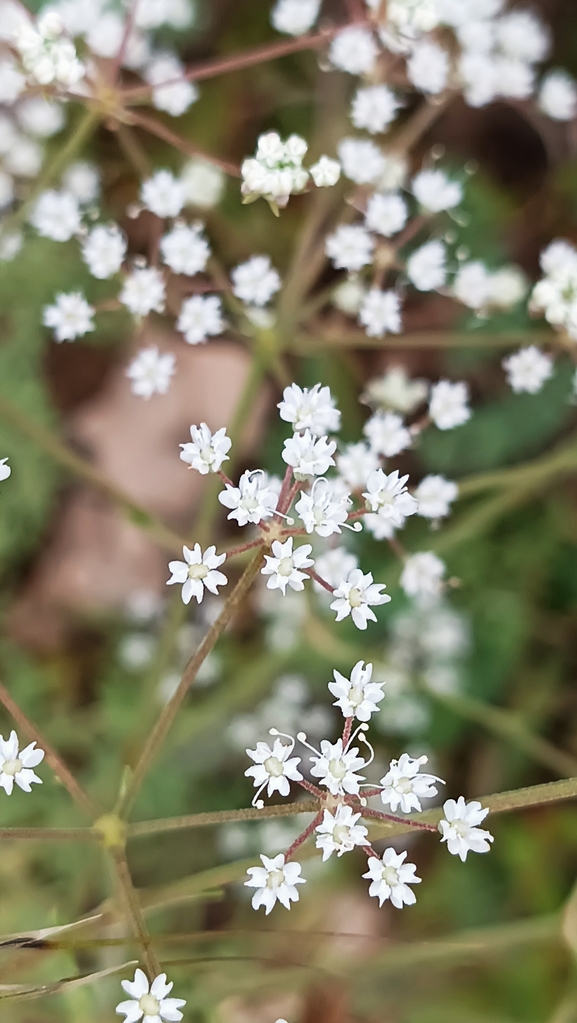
12,766
404,785
273,766
149,1005
337,768
390,876
197,571
341,834
285,566
274,879
356,695
355,597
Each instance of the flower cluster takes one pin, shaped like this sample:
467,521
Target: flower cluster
276,171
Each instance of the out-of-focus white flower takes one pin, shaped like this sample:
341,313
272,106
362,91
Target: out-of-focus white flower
350,247
325,172
308,455
472,285
448,405
354,50
150,372
390,878
103,250
83,180
309,408
203,183
12,81
252,501
348,296
357,697
171,91
197,573
40,116
149,1002
523,36
428,67
143,291
355,595
426,267
395,390
387,434
274,881
388,495
374,107
434,191
200,317
18,765
355,464
70,317
256,281
284,567
206,451
404,785
294,17
362,160
528,369
163,194
386,213
48,56
422,576
185,249
6,190
380,312
507,287
459,827
339,832
435,495
558,95
56,215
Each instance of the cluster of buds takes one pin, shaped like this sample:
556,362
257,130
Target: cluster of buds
276,170
47,53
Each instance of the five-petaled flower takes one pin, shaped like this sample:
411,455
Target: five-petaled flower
149,1002
459,827
274,881
17,765
198,572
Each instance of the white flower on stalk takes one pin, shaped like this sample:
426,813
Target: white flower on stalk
426,267
150,372
200,317
252,501
380,312
274,767
309,408
448,404
528,369
404,785
357,696
507,286
388,495
143,291
149,1002
472,285
332,566
185,249
434,191
325,172
355,595
390,878
285,566
323,510
350,247
308,455
46,53
428,67
558,95
276,170
335,767
197,573
274,881
362,160
386,213
435,495
355,464
294,17
56,215
354,50
374,108
103,250
395,390
163,194
515,78
170,89
523,36
206,451
459,827
339,832
387,434
203,183
83,180
256,281
17,765
5,470
70,317
422,576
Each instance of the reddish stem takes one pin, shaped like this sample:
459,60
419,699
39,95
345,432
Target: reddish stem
311,788
317,579
244,547
347,731
159,129
222,475
128,26
397,548
303,837
293,493
357,514
284,490
378,816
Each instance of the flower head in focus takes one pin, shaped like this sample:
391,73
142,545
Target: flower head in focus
274,881
149,1002
459,827
198,572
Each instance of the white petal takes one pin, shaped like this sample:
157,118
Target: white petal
131,1010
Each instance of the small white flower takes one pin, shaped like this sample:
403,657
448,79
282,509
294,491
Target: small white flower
273,767
294,17
435,191
435,495
395,390
339,832
83,180
390,878
325,172
185,249
374,108
386,213
150,372
70,316
308,455
380,312
459,827
203,183
528,369
355,464
426,267
350,247
17,765
388,495
332,566
507,287
197,573
103,250
448,404
404,785
428,67
56,215
200,317
143,291
422,576
171,91
357,697
309,408
285,566
472,285
387,434
274,881
256,281
354,50
149,1002
558,96
252,501
324,510
336,768
362,160
521,35
5,470
206,451
355,595
163,194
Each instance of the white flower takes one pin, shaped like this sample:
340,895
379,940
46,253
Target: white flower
339,832
362,160
40,116
103,250
185,249
150,372
171,91
285,565
336,768
528,369
17,766
275,880
273,767
523,36
354,50
308,455
388,495
380,312
386,213
143,291
426,267
12,81
350,247
435,495
332,566
5,470
56,215
422,575
200,317
276,170
83,180
478,74
310,408
70,316
256,281
251,501
354,596
391,877
294,17
448,404
357,697
558,96
387,434
149,1003
355,464
46,53
507,286
325,172
396,390
459,827
163,194
374,108
203,183
197,573
206,451
472,285
323,511
515,78
404,786
428,67
435,191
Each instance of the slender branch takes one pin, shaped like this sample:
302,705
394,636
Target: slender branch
378,816
161,131
134,910
303,836
203,820
50,834
317,578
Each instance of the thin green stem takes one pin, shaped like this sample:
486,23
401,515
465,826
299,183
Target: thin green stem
134,910
50,834
204,820
154,127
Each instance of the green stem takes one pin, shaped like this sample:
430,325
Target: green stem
50,834
134,910
203,820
